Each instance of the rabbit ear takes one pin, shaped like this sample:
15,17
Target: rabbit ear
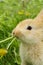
39,19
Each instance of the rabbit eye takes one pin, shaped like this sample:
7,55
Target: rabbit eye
29,28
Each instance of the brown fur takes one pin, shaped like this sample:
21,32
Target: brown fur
31,48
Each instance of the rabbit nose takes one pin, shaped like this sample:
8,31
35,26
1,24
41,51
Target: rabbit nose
15,32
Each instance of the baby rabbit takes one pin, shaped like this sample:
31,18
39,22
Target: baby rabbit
30,32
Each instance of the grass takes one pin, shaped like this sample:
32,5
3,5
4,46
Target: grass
11,13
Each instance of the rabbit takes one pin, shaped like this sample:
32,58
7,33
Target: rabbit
30,32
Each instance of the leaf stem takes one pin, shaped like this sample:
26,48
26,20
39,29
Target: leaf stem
6,39
1,57
10,43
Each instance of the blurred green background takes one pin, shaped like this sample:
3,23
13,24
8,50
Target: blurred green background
11,13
